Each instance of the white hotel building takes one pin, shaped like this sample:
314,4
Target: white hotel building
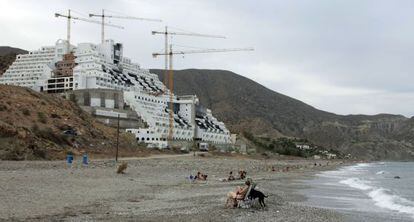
103,66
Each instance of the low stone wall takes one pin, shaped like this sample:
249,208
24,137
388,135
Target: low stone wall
129,119
181,143
105,105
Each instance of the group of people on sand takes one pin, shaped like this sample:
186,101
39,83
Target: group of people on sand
201,176
198,176
285,169
242,175
233,197
240,192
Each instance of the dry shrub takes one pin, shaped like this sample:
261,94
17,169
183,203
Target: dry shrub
54,116
48,134
26,112
3,107
39,153
42,117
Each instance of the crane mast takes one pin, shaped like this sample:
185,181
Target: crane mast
166,33
169,73
103,16
165,58
171,83
68,31
70,17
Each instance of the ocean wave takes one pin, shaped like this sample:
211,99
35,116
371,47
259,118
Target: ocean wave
382,197
385,199
332,174
356,168
363,164
356,183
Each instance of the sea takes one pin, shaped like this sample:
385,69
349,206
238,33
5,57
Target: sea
379,191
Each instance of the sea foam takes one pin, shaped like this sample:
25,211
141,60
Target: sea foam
385,199
382,197
356,183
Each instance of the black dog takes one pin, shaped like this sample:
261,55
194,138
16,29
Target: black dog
257,194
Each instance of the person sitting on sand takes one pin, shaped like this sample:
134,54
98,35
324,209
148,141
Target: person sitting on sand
239,194
200,176
242,174
191,178
231,177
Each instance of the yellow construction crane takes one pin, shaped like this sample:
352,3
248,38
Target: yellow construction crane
171,76
103,16
166,33
69,17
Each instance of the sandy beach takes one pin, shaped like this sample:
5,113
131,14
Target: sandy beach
154,189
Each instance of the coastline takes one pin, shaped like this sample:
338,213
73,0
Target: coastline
363,192
155,189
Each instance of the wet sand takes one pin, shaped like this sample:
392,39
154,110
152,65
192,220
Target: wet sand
154,189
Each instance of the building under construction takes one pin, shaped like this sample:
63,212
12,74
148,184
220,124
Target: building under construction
53,69
101,80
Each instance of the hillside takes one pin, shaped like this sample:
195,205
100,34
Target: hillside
245,105
32,126
7,57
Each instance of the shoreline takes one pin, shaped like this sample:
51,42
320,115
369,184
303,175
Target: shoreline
356,191
155,189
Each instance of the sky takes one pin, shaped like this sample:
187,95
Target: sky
341,56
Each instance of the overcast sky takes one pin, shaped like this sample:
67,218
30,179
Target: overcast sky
346,57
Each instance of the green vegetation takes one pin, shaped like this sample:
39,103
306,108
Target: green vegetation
288,146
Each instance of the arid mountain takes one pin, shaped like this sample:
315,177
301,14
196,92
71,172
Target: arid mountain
7,57
5,50
245,105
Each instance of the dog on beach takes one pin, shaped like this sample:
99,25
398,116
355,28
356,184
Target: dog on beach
257,194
